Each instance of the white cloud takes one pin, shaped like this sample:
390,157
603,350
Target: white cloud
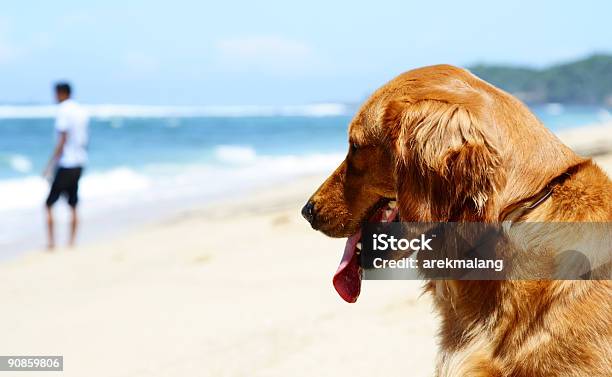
266,54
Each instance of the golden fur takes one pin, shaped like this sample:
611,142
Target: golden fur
451,147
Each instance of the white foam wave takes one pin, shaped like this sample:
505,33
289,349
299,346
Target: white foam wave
219,180
31,191
111,183
235,154
22,193
20,163
138,111
124,186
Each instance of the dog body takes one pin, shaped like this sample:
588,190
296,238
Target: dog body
450,147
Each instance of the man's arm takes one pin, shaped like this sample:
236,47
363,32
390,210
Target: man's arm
57,153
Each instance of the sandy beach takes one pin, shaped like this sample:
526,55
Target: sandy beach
241,288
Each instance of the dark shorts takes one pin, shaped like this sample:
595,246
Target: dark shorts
66,183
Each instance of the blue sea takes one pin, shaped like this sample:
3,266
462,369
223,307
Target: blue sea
177,158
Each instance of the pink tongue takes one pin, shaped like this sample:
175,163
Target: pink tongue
347,279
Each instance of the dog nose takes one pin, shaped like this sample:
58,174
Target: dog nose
308,211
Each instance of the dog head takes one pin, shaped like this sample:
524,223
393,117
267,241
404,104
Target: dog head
424,139
442,144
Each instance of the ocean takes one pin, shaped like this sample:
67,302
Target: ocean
148,161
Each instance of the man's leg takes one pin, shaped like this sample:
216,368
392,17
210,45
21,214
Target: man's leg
50,230
73,199
74,223
54,195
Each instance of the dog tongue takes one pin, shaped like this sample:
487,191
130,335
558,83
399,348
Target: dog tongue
347,279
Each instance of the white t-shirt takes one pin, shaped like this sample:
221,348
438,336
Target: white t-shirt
73,119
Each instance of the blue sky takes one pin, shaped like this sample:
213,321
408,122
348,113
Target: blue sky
273,52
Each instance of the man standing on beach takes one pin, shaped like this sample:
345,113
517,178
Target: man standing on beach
68,158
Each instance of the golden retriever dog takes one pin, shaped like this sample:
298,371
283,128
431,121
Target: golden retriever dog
438,144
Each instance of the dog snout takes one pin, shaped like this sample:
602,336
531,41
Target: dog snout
309,211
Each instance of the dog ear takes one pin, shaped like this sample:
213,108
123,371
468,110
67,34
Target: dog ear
448,165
